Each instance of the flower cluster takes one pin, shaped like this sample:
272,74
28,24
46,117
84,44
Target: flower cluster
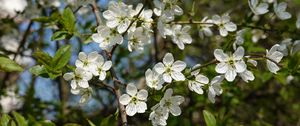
122,19
87,66
169,103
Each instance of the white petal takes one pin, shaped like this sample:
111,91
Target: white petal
93,56
222,68
102,75
272,67
253,62
97,38
125,99
168,93
167,78
247,75
107,65
82,56
131,109
142,94
240,66
230,75
223,32
83,84
69,76
175,110
178,66
168,59
239,53
230,26
276,56
177,76
202,79
141,107
131,89
160,68
220,55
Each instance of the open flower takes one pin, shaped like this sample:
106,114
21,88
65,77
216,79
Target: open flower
87,62
180,35
215,88
197,84
134,100
79,77
224,24
101,67
107,37
280,10
153,79
167,9
170,69
171,103
258,8
274,56
159,115
137,38
118,16
85,93
205,28
230,65
247,76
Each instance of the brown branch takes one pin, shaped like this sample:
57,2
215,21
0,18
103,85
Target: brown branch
96,11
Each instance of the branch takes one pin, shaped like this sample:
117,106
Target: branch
96,12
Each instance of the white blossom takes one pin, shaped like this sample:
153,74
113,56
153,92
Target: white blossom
170,69
9,8
145,17
180,35
258,8
134,100
274,56
215,88
204,29
79,77
85,93
118,16
153,79
197,84
11,101
107,37
231,64
285,45
100,67
171,103
137,39
159,115
167,9
87,62
224,24
280,10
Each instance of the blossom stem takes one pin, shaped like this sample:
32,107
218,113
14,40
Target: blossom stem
191,22
205,65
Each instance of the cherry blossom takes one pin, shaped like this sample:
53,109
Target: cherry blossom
224,24
134,100
274,56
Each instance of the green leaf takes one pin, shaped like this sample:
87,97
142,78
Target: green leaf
72,124
61,57
90,122
37,70
209,118
9,65
5,120
59,35
20,119
42,57
68,20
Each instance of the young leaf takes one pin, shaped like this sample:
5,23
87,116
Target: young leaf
20,119
42,57
209,118
9,65
59,35
61,57
68,20
5,120
38,70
